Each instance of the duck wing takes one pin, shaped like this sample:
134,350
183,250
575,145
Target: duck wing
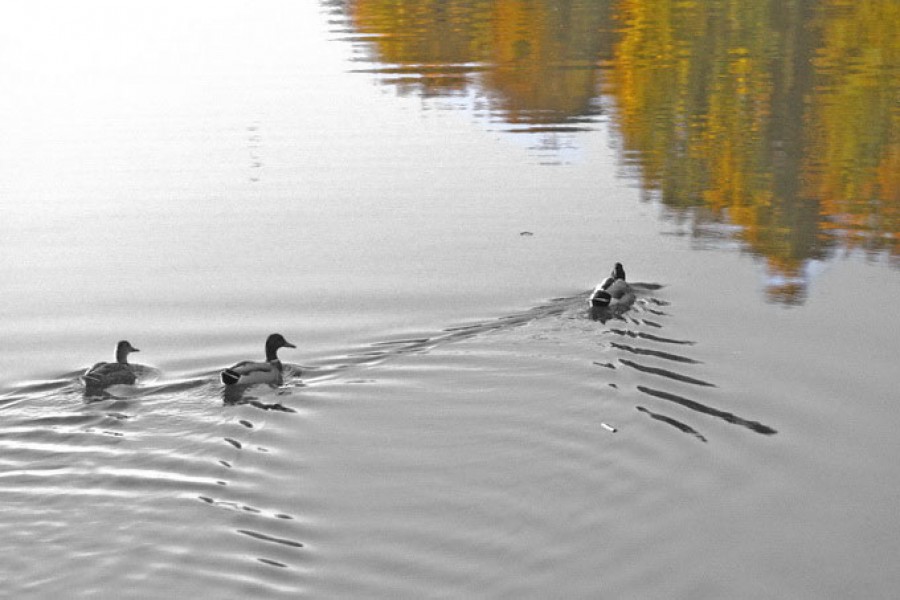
249,372
604,285
105,374
94,368
246,367
618,288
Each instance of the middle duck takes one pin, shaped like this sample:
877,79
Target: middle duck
249,372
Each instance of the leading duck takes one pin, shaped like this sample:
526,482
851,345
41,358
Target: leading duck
104,374
613,291
248,372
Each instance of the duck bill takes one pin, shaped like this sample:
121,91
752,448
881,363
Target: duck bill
287,344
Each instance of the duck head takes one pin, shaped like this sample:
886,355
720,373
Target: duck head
618,272
273,343
123,349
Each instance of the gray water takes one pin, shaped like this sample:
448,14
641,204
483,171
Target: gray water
420,196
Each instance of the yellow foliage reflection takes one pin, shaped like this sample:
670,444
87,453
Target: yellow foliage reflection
538,59
779,117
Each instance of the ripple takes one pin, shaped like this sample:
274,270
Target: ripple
655,353
239,506
491,450
269,538
665,373
273,563
651,337
707,410
55,448
673,422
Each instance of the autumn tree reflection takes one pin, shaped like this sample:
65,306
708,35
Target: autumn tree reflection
538,59
777,118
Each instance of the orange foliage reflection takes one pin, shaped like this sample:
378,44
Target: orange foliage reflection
778,116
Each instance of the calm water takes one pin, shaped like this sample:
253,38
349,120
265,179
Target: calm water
420,196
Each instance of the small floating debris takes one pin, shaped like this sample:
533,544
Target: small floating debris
526,233
608,427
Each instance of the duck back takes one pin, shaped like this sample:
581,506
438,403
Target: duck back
103,375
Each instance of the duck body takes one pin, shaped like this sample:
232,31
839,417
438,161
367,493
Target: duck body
105,374
613,291
249,372
270,371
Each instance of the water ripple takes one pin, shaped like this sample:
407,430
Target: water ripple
708,410
270,538
665,373
526,424
655,353
673,422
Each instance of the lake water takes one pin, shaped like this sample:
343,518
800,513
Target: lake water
420,196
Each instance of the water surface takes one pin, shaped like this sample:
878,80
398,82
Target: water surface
420,196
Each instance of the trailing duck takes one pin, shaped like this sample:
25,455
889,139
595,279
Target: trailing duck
104,374
249,372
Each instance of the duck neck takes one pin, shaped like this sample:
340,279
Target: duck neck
272,354
272,358
122,356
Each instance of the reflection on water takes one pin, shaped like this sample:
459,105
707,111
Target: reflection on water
773,124
533,65
777,117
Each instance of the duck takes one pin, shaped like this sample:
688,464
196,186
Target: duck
612,291
248,372
104,374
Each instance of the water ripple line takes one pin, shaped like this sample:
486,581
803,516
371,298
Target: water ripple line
665,373
650,337
269,538
656,353
673,422
708,410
